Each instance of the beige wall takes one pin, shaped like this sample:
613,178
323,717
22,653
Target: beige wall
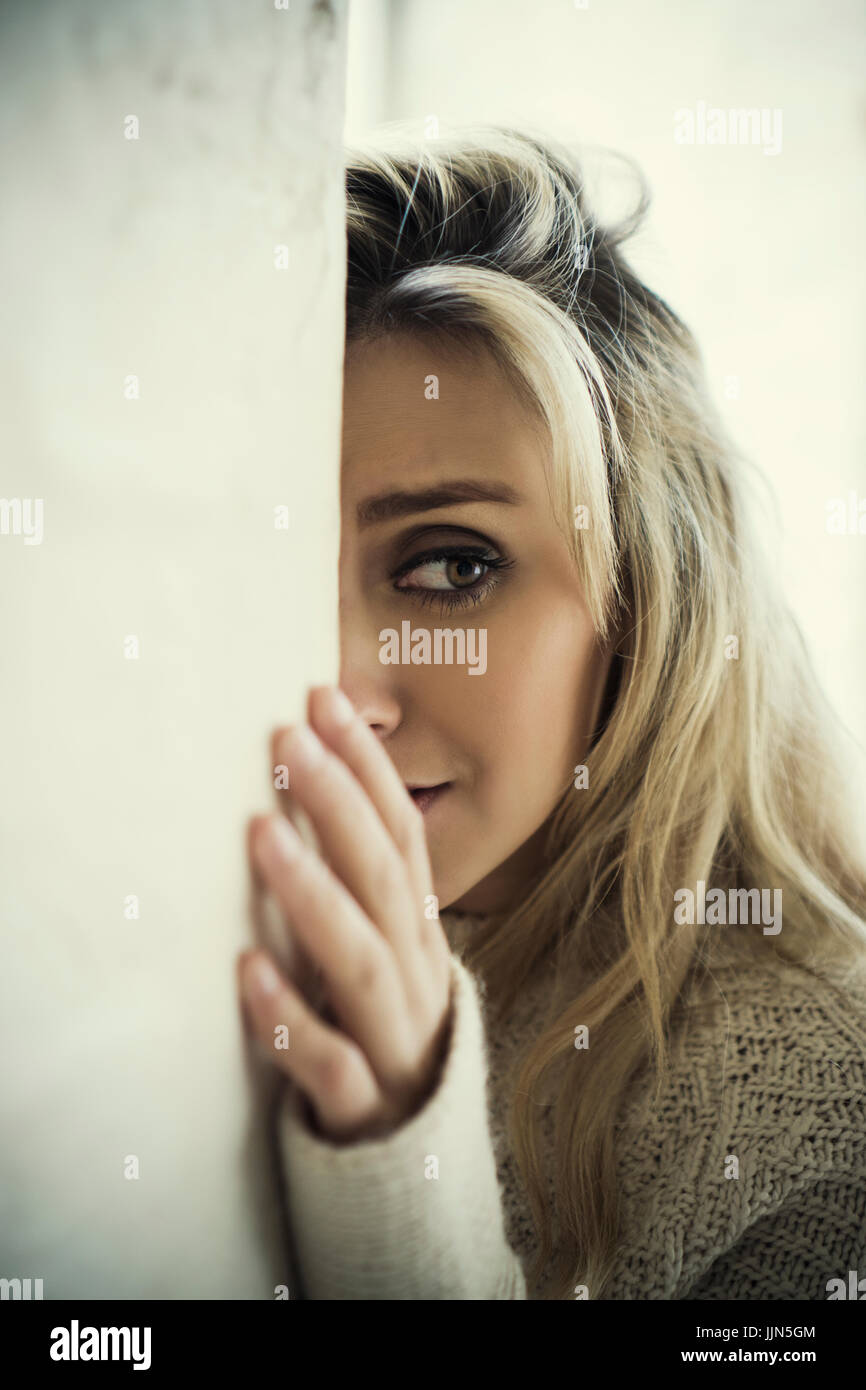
154,258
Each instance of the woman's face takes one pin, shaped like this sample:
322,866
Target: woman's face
447,525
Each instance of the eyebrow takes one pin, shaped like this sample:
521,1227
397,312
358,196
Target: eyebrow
387,505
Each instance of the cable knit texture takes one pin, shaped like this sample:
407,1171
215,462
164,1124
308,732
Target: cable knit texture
768,1068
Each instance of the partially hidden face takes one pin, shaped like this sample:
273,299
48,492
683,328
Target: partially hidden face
448,528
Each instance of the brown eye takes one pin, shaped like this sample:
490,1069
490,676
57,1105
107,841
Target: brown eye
464,570
451,577
445,572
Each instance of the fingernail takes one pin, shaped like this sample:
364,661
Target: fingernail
263,979
305,748
284,838
342,710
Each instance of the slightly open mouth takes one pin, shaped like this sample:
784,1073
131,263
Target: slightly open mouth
424,797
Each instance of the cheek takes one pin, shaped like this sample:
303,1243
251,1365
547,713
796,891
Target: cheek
529,718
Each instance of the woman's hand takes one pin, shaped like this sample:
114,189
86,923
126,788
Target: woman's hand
358,910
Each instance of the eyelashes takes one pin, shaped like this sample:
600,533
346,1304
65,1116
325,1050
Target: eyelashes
460,597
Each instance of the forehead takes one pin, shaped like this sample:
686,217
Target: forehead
415,407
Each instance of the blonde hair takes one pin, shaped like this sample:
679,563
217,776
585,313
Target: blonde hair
703,767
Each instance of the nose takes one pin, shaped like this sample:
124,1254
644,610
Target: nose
369,685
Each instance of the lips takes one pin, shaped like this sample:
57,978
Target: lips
425,797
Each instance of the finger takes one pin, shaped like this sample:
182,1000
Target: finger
366,757
361,972
294,960
353,840
331,1070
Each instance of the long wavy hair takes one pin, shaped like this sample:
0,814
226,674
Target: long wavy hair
717,757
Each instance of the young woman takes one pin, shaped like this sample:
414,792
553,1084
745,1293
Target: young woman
628,1059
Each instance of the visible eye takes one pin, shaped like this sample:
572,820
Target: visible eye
452,576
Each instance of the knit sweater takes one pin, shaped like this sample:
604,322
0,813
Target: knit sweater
768,1068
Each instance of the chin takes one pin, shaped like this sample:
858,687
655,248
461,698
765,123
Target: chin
448,888
453,892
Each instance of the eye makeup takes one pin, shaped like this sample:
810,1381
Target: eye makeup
446,564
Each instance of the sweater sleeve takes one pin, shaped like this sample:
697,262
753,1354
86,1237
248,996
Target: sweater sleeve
417,1214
